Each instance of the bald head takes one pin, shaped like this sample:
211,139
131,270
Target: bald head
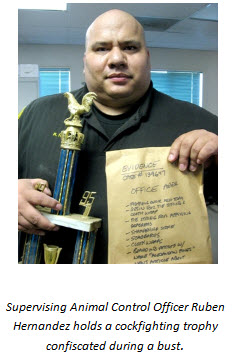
115,18
116,61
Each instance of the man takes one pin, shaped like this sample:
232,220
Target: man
128,113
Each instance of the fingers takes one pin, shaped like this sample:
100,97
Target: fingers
27,227
208,150
27,193
37,198
41,181
180,150
30,220
193,148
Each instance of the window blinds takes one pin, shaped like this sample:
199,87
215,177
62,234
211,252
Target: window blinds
54,80
186,86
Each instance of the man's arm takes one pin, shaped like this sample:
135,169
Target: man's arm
30,220
194,148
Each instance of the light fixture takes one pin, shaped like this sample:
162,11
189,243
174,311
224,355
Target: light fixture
42,5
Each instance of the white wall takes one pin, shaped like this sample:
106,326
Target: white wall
170,59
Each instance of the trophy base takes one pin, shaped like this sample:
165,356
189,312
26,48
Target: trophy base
86,228
72,221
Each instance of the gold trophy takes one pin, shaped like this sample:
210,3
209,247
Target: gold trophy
85,225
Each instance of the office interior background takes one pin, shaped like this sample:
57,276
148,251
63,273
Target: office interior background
182,39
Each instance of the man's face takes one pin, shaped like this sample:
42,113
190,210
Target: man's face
116,62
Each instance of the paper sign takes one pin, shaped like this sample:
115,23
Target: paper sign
28,70
156,213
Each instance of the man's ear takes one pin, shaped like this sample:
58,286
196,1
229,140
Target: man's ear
84,62
148,58
148,53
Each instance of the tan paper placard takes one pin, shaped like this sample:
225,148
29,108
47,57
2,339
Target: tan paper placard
156,214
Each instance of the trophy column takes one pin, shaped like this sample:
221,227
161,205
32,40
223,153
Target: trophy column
32,249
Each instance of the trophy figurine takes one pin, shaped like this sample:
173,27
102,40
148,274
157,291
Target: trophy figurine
86,226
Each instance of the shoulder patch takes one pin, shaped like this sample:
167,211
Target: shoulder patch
21,112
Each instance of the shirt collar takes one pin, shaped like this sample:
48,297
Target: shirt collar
134,120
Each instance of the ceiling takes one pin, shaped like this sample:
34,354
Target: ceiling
168,25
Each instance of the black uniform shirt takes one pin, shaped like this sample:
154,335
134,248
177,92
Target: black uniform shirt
156,122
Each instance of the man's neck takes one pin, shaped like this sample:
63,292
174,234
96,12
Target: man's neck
110,110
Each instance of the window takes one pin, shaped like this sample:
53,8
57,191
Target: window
183,85
54,80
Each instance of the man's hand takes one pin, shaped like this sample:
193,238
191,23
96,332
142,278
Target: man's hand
30,220
194,148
